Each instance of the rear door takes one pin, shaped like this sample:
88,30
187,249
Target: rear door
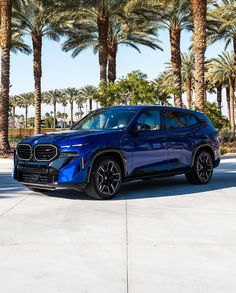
180,130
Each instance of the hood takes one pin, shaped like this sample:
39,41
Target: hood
69,137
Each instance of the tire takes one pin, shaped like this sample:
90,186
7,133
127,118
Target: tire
202,170
105,179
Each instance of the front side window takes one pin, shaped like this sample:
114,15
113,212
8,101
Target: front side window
149,121
106,119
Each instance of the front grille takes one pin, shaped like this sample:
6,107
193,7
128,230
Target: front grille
33,169
45,152
24,151
35,178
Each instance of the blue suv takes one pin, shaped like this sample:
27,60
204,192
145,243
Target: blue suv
117,144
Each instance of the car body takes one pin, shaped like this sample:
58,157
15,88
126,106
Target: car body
117,144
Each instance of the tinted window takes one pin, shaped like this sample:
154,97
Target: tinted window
190,120
178,119
149,120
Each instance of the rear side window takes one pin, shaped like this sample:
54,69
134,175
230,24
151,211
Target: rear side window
178,119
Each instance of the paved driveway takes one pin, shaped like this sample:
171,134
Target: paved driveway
158,236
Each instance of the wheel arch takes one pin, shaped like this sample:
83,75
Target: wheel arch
202,147
116,154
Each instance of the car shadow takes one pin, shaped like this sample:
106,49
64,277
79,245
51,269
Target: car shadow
9,188
224,177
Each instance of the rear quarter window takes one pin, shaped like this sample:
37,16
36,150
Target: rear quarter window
178,119
191,120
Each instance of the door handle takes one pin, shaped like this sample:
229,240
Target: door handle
162,139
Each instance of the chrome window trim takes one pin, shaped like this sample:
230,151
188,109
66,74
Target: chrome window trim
46,146
31,152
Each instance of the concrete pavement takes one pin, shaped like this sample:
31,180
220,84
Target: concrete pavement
163,235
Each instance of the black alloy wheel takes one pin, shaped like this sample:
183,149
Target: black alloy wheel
105,180
202,170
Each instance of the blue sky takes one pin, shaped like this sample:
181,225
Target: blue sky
60,70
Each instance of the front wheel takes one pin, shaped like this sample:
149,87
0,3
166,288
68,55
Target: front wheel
105,179
202,169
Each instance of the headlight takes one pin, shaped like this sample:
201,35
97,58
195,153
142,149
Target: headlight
73,145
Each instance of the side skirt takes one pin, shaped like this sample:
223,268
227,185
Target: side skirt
169,173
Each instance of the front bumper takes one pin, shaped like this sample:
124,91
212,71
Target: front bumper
61,173
55,185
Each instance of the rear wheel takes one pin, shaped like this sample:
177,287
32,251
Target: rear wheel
105,179
202,169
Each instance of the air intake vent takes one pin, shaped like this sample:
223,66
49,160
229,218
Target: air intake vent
24,151
45,152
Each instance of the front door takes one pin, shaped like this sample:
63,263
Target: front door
149,147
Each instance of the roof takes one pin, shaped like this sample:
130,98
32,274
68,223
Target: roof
140,107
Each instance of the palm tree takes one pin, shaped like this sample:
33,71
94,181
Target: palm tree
225,14
188,75
14,102
53,97
131,32
216,79
33,19
165,87
126,31
70,95
89,93
199,11
225,67
174,16
64,103
25,101
79,102
6,13
100,12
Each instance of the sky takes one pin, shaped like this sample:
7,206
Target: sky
60,70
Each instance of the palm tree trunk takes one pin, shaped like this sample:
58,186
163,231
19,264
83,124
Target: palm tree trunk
6,12
234,48
228,102
112,52
26,116
91,104
103,24
175,34
199,8
189,92
71,112
219,96
232,118
37,51
13,117
54,115
80,111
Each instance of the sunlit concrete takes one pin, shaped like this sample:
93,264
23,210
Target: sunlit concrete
163,235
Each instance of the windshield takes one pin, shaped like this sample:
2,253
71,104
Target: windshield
106,119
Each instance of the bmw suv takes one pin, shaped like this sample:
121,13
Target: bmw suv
118,144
